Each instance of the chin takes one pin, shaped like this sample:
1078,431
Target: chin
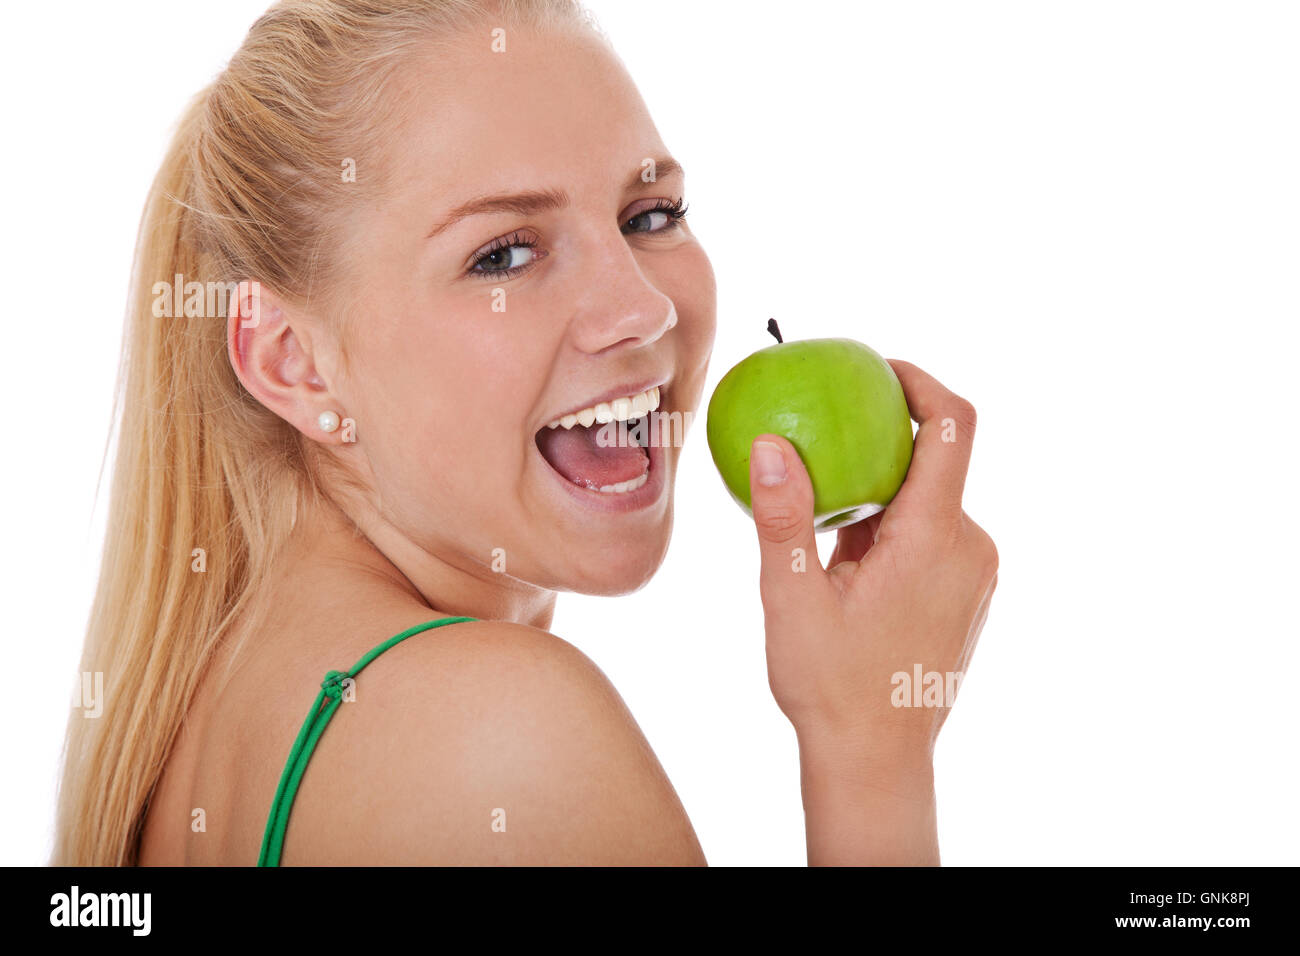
621,567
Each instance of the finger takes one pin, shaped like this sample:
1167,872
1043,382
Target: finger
781,494
854,541
941,453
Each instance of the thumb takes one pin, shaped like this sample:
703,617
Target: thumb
781,494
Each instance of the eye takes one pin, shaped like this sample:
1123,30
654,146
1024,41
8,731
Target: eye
515,253
507,256
666,215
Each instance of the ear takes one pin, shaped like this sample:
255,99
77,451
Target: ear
272,356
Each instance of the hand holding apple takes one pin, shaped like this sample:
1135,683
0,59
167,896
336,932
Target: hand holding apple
908,585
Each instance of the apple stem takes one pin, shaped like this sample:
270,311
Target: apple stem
774,329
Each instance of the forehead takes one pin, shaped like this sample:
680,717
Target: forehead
555,104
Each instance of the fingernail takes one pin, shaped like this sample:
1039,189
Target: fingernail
769,463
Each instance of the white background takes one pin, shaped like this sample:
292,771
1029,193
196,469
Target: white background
1084,217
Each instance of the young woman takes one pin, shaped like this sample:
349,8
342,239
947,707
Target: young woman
438,226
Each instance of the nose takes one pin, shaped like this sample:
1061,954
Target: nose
618,307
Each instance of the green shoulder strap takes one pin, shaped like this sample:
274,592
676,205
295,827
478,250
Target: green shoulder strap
315,724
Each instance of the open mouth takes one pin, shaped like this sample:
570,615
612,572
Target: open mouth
604,447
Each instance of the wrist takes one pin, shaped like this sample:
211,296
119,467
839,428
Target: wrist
866,762
868,801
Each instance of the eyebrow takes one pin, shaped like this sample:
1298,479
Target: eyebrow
530,202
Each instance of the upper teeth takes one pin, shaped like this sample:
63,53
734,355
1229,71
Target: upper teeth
619,410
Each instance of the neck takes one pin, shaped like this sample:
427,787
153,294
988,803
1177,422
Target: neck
353,534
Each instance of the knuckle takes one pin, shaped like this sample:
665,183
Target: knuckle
779,524
984,550
964,413
991,557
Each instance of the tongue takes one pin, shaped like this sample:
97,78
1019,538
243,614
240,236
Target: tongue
575,454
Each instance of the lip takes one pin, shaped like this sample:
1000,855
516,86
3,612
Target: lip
608,503
622,390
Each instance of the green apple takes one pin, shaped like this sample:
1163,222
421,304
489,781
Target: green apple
841,406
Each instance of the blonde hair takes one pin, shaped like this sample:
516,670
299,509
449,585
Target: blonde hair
249,189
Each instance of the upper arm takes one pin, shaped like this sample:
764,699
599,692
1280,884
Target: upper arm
486,743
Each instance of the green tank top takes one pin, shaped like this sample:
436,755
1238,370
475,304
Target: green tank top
318,718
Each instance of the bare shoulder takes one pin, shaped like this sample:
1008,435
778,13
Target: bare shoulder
486,742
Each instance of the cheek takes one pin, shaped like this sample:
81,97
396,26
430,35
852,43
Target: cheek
452,475
444,401
693,289
695,292
464,423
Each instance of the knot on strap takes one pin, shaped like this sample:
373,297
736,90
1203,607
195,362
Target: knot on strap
333,684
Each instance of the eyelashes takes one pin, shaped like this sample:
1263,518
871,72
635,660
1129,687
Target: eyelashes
497,261
675,211
505,245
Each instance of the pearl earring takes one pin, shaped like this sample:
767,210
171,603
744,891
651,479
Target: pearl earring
328,421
